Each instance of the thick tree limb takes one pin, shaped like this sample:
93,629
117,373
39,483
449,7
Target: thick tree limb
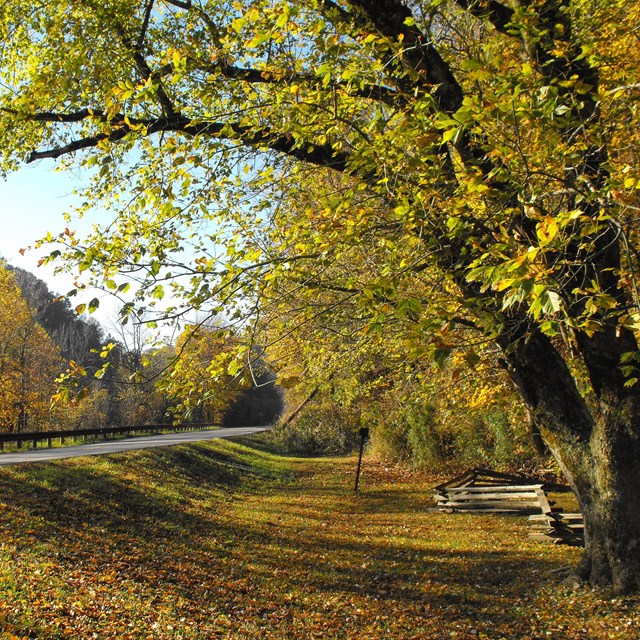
545,383
78,145
259,138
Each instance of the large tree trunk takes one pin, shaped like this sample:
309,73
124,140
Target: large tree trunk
596,443
609,492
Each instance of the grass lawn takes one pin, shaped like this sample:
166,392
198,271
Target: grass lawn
227,540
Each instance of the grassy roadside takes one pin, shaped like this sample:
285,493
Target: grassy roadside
226,540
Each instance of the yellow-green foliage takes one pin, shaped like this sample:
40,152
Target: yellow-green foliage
205,377
464,175
89,412
29,362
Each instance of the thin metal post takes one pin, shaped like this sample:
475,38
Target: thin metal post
364,434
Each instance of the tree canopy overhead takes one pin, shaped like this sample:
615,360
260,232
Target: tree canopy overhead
487,168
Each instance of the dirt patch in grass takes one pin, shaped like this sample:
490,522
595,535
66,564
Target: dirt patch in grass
228,540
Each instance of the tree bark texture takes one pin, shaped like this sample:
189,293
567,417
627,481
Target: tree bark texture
597,445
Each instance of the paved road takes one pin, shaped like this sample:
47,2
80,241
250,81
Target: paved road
127,444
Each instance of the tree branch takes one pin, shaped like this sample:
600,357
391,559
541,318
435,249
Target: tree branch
181,4
145,71
77,145
145,23
495,12
265,76
53,116
330,8
259,138
391,18
327,7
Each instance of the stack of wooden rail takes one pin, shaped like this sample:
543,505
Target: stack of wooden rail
485,491
558,527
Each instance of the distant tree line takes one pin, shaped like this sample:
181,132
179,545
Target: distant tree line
115,380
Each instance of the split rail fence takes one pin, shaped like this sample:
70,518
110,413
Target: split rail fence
485,491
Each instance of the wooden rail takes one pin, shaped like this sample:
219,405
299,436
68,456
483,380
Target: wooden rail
558,528
494,499
486,491
40,436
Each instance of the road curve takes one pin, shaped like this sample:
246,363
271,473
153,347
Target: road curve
126,444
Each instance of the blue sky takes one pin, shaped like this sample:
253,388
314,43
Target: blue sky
32,202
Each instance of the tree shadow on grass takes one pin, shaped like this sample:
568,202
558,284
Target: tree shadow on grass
166,524
69,501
